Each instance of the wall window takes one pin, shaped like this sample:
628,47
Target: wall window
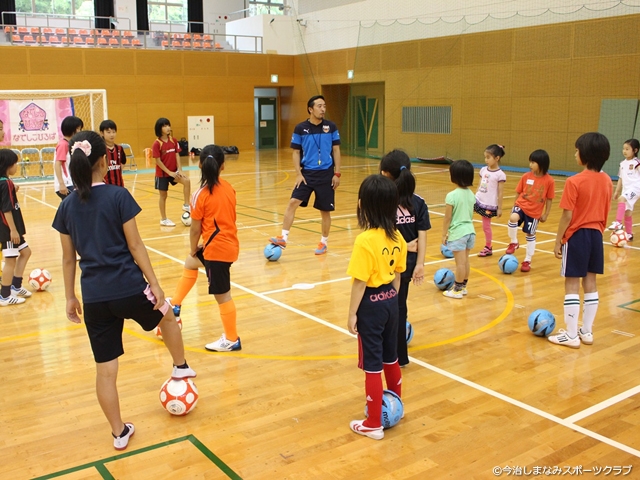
269,7
57,7
164,11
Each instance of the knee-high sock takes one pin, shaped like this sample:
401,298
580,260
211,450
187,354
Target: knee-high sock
512,228
403,355
228,317
488,234
622,206
571,313
589,310
393,376
628,224
373,389
531,247
185,284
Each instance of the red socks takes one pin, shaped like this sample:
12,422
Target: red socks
393,376
373,389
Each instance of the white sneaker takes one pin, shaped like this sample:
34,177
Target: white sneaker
20,292
453,293
120,443
615,226
358,427
186,208
11,300
629,236
167,223
564,339
179,373
224,345
586,338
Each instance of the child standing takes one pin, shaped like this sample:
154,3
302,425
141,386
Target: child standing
378,258
412,221
629,184
15,249
534,193
489,194
458,233
585,206
168,169
213,218
61,179
98,221
115,153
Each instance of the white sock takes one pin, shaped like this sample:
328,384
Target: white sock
571,313
512,228
531,248
324,240
285,234
589,310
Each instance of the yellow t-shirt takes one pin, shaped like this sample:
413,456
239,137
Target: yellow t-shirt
376,259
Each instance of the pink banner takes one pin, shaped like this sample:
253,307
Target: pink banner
33,122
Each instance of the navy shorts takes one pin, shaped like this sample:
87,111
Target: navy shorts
377,328
70,188
218,275
529,224
583,253
162,183
318,182
105,321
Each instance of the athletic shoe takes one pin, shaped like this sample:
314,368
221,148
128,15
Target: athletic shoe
186,208
180,373
453,293
224,345
615,226
512,248
176,311
526,266
20,292
376,433
167,223
464,291
279,241
486,252
11,300
120,443
586,338
564,339
629,237
322,249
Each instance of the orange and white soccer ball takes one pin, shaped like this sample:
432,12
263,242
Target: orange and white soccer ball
40,279
179,397
619,238
159,332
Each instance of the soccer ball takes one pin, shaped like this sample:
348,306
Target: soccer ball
159,332
446,251
444,278
619,238
179,397
40,279
392,409
272,252
542,322
186,219
508,263
409,332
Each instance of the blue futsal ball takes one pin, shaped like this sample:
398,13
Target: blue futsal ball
409,333
444,278
508,263
542,322
446,251
392,409
272,252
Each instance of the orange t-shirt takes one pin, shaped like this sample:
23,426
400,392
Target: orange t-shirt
587,195
217,212
534,193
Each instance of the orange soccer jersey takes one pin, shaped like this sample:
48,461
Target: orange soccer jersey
217,212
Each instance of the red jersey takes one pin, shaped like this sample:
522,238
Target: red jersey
115,159
534,193
217,212
167,152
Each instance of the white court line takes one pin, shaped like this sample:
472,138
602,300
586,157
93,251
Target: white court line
625,334
603,405
41,201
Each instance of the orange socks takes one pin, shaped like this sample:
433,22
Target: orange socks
228,317
185,284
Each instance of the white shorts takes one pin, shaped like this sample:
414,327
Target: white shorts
630,197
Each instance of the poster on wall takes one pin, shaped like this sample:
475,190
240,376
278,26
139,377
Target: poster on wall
33,122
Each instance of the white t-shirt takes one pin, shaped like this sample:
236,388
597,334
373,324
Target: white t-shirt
629,173
487,193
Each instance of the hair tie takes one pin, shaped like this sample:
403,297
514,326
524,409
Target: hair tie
84,145
402,168
501,146
209,156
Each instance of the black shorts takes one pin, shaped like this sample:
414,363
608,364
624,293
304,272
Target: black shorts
583,253
318,182
10,249
162,183
71,188
218,275
377,328
529,224
484,212
105,321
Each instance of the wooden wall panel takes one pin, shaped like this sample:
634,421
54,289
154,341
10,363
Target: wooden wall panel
491,113
543,43
487,81
615,76
526,114
56,61
440,52
163,63
611,36
117,62
205,64
329,63
368,59
15,61
541,78
400,56
241,65
439,83
489,47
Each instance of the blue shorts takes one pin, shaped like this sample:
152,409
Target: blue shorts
583,253
463,243
318,182
529,224
377,328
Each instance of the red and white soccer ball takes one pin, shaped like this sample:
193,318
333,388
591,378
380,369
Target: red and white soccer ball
179,397
159,332
40,279
619,238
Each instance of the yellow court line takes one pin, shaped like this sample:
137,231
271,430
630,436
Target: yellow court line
286,177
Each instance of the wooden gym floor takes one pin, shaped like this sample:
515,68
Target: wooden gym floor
481,392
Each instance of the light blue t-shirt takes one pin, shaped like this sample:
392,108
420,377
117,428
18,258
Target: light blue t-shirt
462,200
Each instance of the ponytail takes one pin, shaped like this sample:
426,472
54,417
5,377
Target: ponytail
398,164
495,150
86,148
211,161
